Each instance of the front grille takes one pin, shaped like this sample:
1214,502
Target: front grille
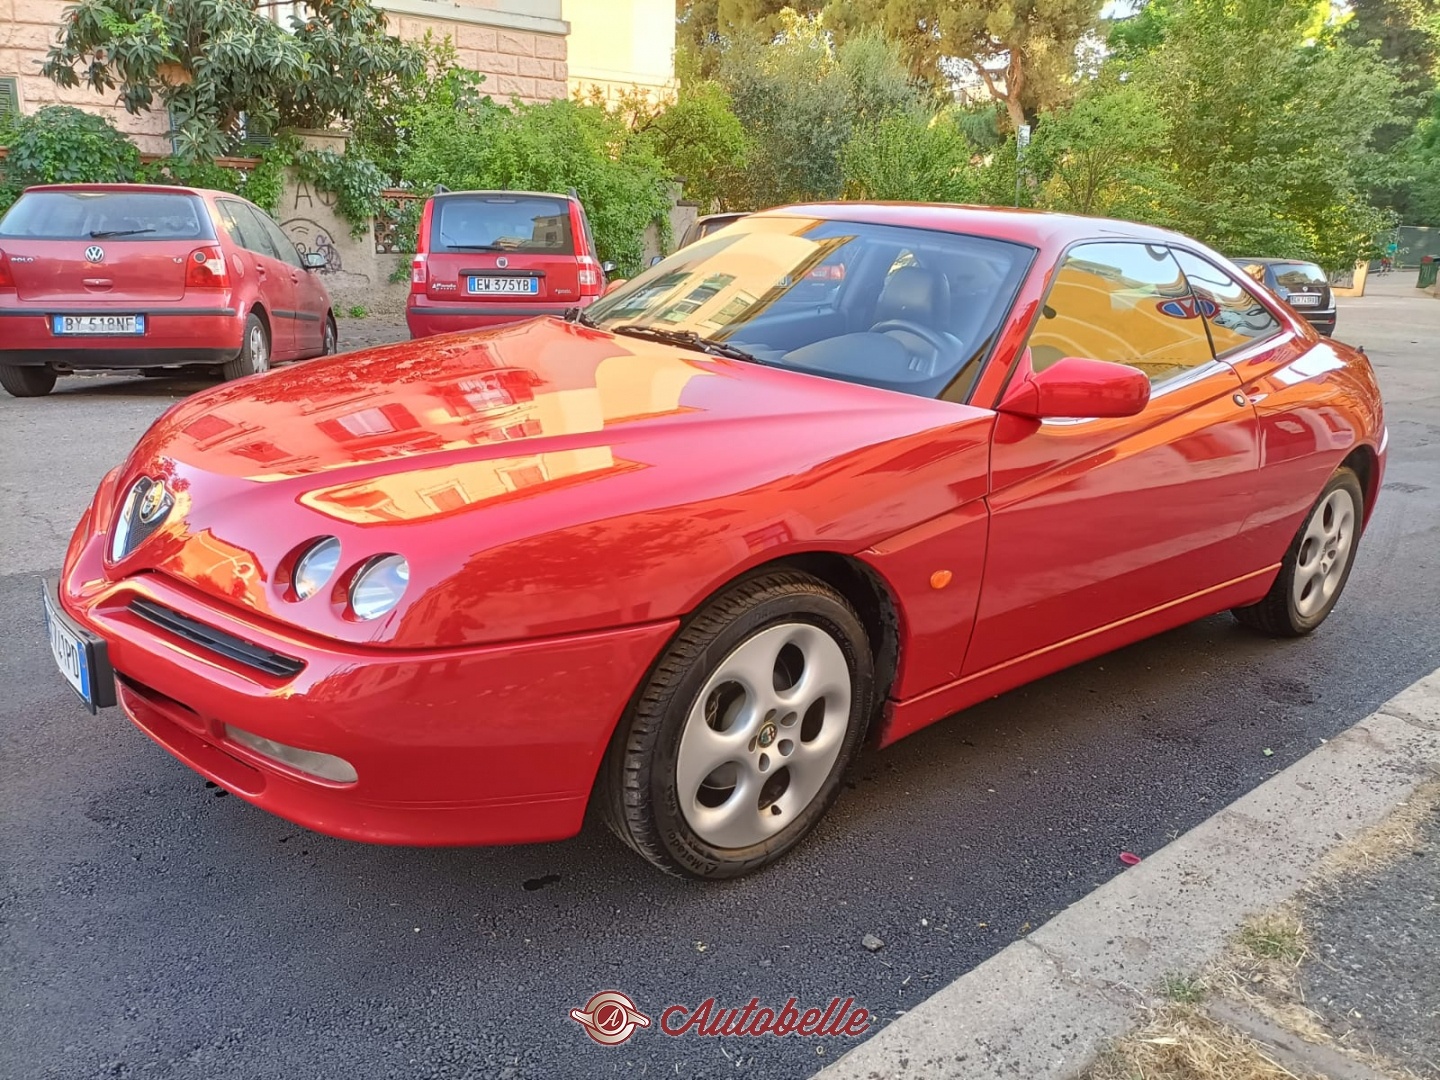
217,641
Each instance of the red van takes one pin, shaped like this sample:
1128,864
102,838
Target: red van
490,257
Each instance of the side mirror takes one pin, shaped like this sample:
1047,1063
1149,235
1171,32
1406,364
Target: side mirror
1075,389
655,260
313,260
607,267
611,286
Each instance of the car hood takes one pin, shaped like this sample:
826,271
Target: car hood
538,478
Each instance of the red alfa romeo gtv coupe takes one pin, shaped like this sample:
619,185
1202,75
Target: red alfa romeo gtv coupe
828,475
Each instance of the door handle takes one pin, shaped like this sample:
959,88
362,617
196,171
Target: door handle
259,270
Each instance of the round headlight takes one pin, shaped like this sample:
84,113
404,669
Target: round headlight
378,586
313,569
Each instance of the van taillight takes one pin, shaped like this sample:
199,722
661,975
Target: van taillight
205,269
419,274
7,276
590,279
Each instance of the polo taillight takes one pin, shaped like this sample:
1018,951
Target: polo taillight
205,269
7,276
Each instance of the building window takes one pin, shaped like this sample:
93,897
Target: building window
285,14
9,97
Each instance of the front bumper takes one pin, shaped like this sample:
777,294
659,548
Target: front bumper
173,337
491,745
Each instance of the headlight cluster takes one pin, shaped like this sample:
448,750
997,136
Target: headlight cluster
374,587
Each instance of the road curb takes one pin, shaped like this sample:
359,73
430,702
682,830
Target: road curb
1044,1006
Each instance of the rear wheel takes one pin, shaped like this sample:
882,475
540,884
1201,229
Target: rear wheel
254,355
1314,571
737,745
331,342
26,381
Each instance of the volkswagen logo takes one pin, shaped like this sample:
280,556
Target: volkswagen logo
94,253
502,262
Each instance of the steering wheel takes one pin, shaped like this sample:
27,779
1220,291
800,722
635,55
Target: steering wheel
931,337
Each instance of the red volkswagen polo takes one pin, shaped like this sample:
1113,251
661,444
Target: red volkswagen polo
103,276
829,475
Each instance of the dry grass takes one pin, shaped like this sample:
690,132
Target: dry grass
1398,835
1261,970
1182,1043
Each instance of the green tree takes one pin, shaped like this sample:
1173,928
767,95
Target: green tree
215,62
910,157
1270,128
1103,156
1034,40
549,147
698,137
60,144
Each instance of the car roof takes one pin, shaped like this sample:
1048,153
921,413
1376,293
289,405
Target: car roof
507,194
159,189
1039,228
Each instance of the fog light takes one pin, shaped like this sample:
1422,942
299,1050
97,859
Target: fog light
325,766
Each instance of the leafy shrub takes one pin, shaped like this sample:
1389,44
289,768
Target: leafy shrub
698,137
550,147
909,157
60,144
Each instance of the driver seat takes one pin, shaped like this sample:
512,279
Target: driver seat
916,295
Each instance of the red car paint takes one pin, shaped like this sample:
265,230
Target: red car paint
195,308
566,497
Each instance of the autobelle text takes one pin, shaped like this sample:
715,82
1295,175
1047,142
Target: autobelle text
838,1019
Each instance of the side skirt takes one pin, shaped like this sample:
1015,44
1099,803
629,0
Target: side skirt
904,717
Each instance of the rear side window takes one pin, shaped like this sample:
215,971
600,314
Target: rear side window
243,228
1125,303
1298,275
104,215
1232,313
523,224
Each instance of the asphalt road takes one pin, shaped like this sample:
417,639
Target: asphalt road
153,927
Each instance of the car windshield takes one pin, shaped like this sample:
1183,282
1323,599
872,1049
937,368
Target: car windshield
522,224
913,310
1297,275
102,215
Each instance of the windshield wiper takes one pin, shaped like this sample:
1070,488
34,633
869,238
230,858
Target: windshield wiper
688,339
577,315
472,247
106,234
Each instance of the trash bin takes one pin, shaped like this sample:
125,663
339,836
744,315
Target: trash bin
1428,269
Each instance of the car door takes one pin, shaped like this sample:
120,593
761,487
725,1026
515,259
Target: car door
1094,522
304,309
245,224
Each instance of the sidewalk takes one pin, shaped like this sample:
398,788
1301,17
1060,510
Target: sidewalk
1300,911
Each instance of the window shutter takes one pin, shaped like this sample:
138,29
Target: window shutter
9,98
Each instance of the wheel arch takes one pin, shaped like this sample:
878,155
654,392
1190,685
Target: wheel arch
1365,463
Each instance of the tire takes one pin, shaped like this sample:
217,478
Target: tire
1317,565
26,381
254,355
330,342
681,757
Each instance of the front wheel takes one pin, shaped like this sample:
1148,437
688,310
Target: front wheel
1314,571
26,381
254,355
737,745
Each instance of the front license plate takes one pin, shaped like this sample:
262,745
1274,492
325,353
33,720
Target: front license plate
523,286
1305,299
79,656
98,325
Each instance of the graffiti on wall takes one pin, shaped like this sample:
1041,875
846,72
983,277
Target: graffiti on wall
308,236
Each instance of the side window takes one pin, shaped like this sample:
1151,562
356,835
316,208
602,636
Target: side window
1233,314
1123,302
278,240
240,224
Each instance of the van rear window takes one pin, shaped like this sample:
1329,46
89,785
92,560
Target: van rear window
524,224
105,215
